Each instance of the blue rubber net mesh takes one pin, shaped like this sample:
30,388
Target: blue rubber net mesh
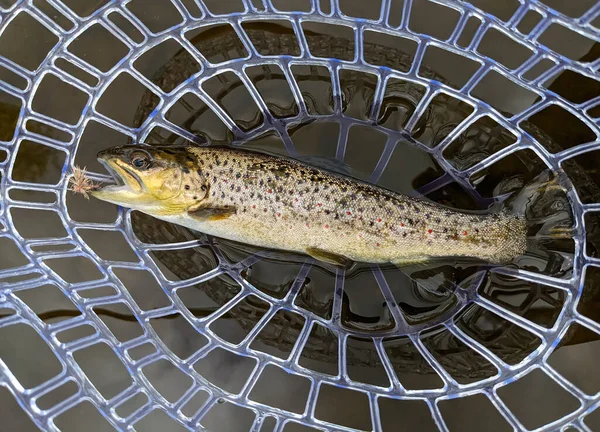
45,141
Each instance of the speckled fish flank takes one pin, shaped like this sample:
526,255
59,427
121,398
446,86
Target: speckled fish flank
285,204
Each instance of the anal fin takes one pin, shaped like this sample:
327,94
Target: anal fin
328,257
205,214
419,270
414,262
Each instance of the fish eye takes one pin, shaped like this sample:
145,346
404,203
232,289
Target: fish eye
140,160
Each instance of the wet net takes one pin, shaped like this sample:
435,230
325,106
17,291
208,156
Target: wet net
251,74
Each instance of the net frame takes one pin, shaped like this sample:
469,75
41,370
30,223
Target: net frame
71,370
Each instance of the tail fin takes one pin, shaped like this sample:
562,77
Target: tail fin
545,205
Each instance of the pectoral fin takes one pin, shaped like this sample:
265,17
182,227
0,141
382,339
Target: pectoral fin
328,257
204,214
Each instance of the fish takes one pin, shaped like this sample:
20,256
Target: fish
286,204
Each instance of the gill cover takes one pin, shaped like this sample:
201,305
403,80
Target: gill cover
166,184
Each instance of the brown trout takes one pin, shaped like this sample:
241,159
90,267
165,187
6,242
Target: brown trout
285,204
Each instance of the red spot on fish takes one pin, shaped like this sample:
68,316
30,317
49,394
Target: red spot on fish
319,204
360,235
326,226
401,224
270,191
307,225
296,200
378,244
225,180
429,230
348,213
253,206
278,214
378,219
465,233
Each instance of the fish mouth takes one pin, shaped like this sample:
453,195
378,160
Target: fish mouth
125,180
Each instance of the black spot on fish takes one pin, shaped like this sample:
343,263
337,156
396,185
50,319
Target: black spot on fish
195,197
265,209
327,212
213,194
226,162
404,234
203,187
237,189
222,194
238,175
316,190
261,183
437,220
187,187
401,206
337,216
427,216
186,171
214,179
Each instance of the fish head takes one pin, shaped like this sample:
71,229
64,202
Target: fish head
155,180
